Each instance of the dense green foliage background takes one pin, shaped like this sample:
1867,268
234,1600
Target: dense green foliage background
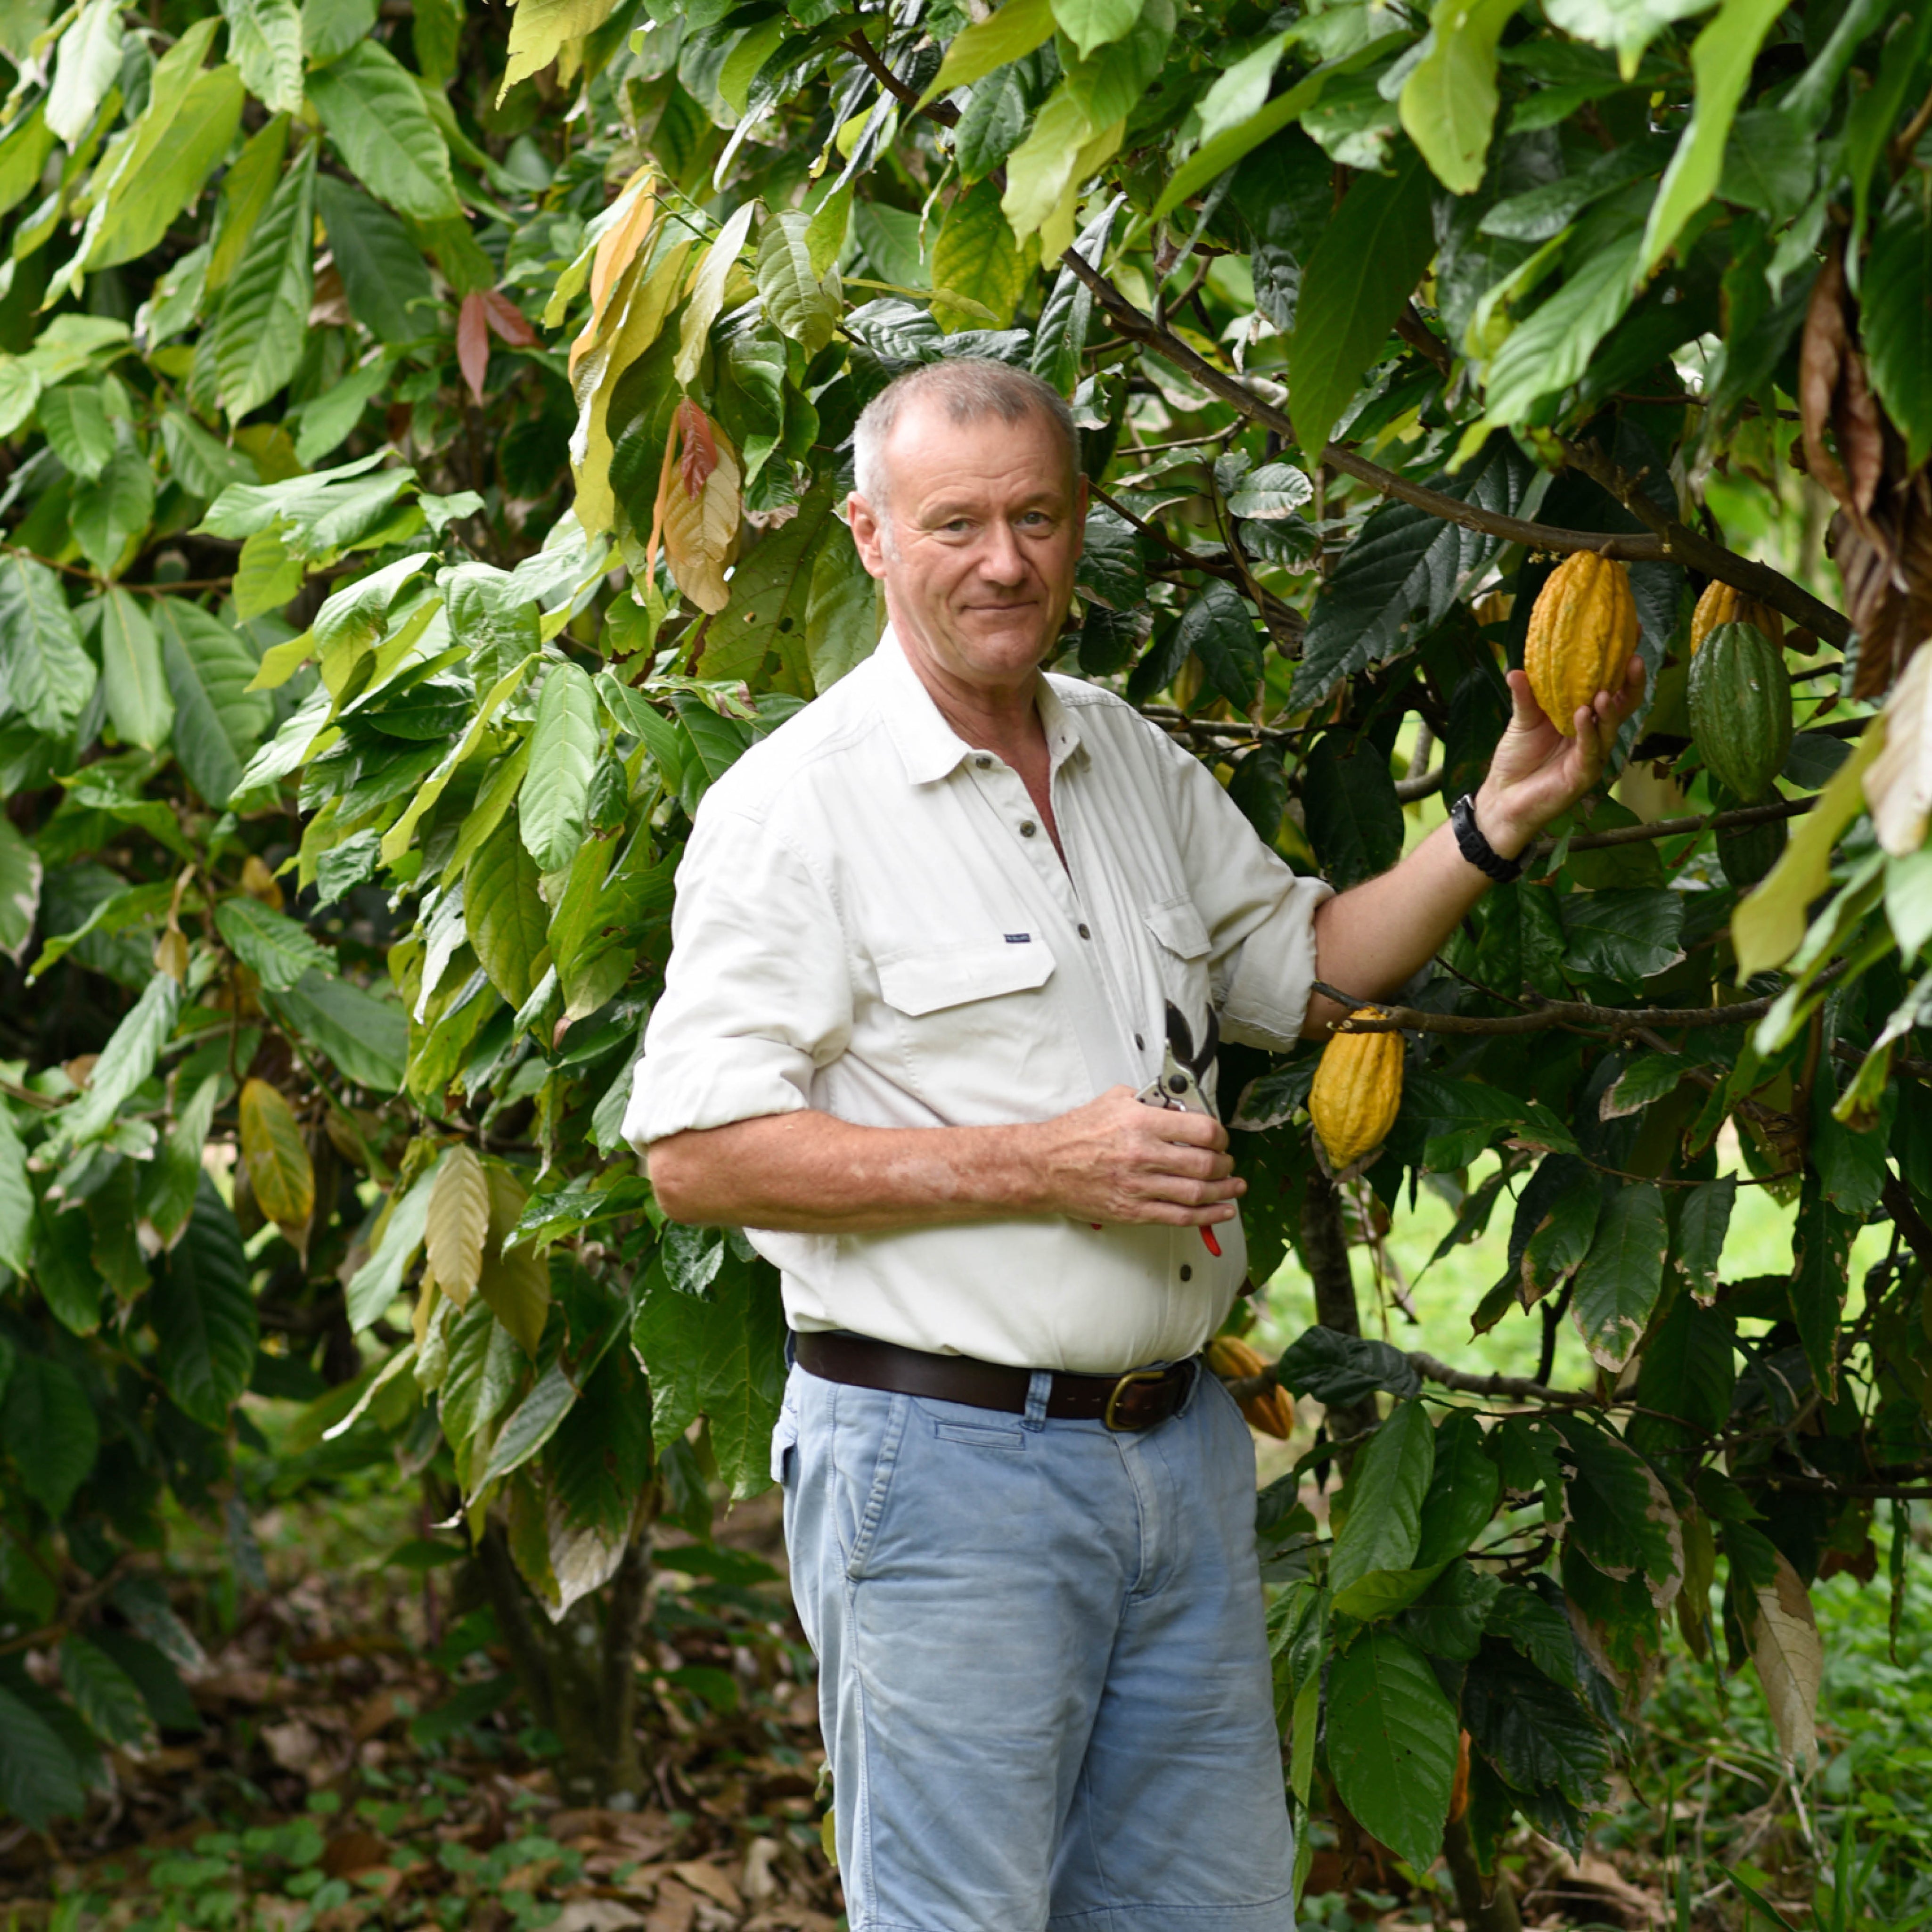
424,460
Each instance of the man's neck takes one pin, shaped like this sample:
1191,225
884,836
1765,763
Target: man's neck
1004,719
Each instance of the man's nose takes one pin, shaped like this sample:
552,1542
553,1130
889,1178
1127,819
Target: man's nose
1001,559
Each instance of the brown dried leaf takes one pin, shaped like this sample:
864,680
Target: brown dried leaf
1790,1662
700,532
1898,782
1822,351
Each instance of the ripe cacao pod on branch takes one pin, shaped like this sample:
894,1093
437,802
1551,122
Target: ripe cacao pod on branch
1740,703
1582,633
1725,603
1272,1411
1356,1093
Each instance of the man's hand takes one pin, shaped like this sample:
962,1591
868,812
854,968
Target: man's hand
1537,773
1118,1160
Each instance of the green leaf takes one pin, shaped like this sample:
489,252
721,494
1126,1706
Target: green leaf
384,275
128,1060
1218,628
74,419
1768,165
1338,1369
1462,1494
264,40
1690,1370
1621,1519
1545,354
506,914
538,29
48,1427
1009,34
528,1427
203,1315
1627,26
1895,319
1621,1276
245,191
976,256
69,1282
563,754
1391,1476
87,63
1702,1222
1392,1743
379,1279
330,28
278,951
138,699
843,616
17,1200
1448,103
116,507
176,146
1367,262
1354,818
373,111
1625,933
23,156
1821,1258
722,1357
771,595
218,722
39,1781
159,1682
1721,57
330,510
1535,1732
1089,24
1447,1619
795,301
367,1038
259,337
105,1695
20,872
600,1457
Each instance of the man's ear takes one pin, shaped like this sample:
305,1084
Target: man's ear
868,534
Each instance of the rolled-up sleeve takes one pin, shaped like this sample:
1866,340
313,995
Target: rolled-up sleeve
1259,914
758,992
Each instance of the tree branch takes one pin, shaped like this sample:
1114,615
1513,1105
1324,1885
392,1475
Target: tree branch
1670,828
943,112
1672,541
1543,1014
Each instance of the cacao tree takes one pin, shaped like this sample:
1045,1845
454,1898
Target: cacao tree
426,444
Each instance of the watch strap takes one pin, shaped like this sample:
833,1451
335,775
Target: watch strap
1477,850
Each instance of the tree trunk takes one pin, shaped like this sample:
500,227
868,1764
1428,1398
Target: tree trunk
579,1674
1483,1910
1324,1240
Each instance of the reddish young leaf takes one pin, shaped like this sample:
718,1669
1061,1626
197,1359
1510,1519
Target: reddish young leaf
511,326
701,447
473,342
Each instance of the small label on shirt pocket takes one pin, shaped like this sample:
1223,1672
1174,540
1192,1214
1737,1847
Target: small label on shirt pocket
979,1438
930,980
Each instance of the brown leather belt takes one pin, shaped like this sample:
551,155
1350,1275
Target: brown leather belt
1136,1400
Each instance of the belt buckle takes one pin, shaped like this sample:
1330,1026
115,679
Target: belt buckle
1126,1382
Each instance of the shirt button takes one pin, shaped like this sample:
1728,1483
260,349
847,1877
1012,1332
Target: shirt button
1140,1042
984,763
1084,933
1186,1273
1027,828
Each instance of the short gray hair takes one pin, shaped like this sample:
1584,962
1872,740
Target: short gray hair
971,388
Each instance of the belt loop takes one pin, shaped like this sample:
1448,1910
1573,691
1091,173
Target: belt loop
1039,1390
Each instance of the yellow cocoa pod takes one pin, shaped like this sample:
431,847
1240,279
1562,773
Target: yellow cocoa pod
1273,1410
1357,1091
1582,634
1725,603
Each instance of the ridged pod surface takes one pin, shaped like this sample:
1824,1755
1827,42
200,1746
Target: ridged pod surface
1725,603
1740,704
1273,1410
1582,634
1356,1093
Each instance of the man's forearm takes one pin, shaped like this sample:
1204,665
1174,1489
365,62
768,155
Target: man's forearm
1371,939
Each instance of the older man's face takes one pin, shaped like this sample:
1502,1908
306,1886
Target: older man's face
978,543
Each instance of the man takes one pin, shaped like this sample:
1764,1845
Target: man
926,935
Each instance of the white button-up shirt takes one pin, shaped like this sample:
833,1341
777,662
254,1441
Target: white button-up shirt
871,921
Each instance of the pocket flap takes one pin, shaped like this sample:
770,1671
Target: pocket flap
1177,925
925,981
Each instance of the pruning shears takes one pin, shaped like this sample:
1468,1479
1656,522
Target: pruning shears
1182,1070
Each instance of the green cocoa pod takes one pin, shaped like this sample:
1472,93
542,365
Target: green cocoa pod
1740,703
1746,852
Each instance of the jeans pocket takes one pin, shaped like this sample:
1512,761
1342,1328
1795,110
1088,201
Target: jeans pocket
979,1438
872,1508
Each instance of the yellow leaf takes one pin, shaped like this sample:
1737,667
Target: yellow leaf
1767,927
459,1218
1790,1662
976,259
258,883
700,533
647,299
280,1172
538,29
516,1285
616,249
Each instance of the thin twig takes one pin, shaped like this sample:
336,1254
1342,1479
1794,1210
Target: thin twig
1543,1014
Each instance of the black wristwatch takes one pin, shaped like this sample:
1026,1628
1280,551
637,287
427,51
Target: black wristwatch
1477,850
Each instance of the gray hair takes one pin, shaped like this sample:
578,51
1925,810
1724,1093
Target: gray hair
971,388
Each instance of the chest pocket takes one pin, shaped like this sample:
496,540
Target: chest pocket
1180,961
978,1027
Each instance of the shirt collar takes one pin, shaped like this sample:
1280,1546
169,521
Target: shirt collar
929,747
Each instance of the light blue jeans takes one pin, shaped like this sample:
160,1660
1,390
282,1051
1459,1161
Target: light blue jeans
1043,1672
